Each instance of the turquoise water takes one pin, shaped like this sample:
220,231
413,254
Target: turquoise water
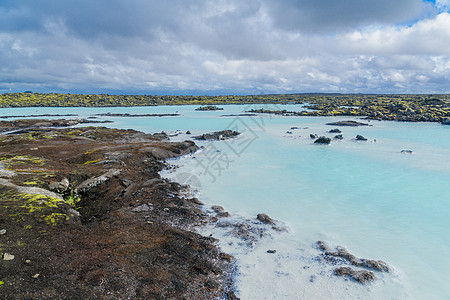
366,196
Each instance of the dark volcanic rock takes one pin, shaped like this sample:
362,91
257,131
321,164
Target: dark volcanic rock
406,152
360,138
245,231
313,136
362,276
338,137
220,211
263,218
232,296
217,136
322,140
446,122
208,107
336,130
377,265
347,123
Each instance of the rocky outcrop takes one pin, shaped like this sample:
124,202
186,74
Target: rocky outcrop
323,140
377,265
336,130
217,136
96,181
347,123
209,108
220,211
340,255
360,138
95,220
362,276
265,219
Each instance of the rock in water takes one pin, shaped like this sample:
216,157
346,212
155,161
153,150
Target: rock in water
208,107
347,123
360,138
322,140
376,265
336,130
217,136
360,276
263,218
232,296
220,211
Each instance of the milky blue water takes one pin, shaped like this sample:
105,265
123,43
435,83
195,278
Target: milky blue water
367,196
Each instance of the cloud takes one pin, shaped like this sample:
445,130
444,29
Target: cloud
425,37
254,46
443,5
331,15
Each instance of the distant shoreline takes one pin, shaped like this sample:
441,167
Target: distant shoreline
407,107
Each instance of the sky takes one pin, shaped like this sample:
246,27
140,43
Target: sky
225,46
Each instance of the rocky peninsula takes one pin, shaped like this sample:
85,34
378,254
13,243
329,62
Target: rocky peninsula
84,214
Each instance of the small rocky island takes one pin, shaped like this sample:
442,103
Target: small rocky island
209,107
217,136
84,214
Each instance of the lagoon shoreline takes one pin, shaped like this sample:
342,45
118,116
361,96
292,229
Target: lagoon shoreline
85,214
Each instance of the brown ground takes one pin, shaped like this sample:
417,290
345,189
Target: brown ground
119,231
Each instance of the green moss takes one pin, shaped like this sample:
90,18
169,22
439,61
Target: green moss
73,200
36,202
1,283
92,162
89,152
30,183
30,208
56,218
74,132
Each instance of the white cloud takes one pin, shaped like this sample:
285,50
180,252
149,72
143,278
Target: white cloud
443,5
227,45
427,37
